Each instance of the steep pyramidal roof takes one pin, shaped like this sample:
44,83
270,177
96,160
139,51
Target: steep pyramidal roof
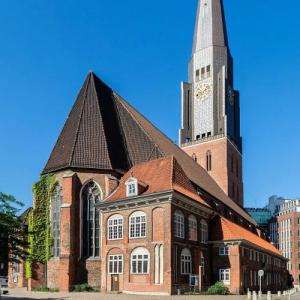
100,133
103,132
210,28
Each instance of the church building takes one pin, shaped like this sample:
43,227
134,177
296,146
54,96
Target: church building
132,212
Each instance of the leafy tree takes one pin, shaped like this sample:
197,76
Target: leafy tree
13,233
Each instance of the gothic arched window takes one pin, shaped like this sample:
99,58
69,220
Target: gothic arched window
56,200
204,231
208,161
194,156
192,228
90,237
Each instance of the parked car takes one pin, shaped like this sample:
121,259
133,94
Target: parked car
3,285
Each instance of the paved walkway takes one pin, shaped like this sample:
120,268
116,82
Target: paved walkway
23,294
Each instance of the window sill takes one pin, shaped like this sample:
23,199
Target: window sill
137,238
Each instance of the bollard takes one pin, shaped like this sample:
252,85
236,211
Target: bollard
269,296
259,294
249,295
279,294
254,295
178,292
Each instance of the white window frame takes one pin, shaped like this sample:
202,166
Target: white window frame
131,187
204,231
224,276
193,232
138,225
115,260
186,262
224,251
179,224
115,225
140,256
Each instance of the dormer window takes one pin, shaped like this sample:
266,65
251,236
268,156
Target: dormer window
131,187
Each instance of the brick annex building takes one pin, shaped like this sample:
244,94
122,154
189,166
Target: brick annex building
135,213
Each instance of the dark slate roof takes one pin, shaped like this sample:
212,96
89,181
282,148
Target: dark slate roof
100,133
103,132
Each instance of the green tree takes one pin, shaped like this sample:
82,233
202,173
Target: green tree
13,241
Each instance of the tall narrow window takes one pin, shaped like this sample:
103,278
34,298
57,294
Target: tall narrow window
208,71
186,262
192,228
179,224
197,75
137,223
56,202
90,196
202,73
194,156
208,161
115,227
204,231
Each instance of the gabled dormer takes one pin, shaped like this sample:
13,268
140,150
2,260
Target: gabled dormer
131,187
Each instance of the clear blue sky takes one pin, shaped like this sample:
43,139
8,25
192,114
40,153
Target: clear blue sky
142,48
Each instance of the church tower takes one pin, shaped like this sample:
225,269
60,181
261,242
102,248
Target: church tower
210,126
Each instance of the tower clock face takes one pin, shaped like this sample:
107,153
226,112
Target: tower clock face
202,91
231,95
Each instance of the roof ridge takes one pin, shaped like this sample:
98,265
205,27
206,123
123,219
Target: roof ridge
80,118
142,128
93,75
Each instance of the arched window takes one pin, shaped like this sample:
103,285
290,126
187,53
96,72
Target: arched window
179,224
115,227
140,258
194,156
91,195
56,201
137,225
192,228
186,262
208,161
204,231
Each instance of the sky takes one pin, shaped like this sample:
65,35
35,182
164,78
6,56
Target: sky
142,49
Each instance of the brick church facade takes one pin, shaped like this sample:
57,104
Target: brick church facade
132,212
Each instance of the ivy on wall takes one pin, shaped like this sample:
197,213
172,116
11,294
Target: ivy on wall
39,237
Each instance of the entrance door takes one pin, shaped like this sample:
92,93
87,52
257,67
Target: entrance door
115,283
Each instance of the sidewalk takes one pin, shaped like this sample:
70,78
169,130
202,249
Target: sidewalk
23,294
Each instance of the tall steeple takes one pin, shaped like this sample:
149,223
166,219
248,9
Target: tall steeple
210,28
210,104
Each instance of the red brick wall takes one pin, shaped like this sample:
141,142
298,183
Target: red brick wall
222,152
139,283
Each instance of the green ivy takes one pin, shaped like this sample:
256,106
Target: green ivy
28,262
39,238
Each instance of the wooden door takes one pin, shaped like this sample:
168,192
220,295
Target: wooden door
115,283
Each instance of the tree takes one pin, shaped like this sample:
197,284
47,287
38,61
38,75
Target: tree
13,233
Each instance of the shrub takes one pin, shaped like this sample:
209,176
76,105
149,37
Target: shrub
45,289
83,288
218,289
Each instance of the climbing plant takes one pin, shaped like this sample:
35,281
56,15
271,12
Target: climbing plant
39,238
